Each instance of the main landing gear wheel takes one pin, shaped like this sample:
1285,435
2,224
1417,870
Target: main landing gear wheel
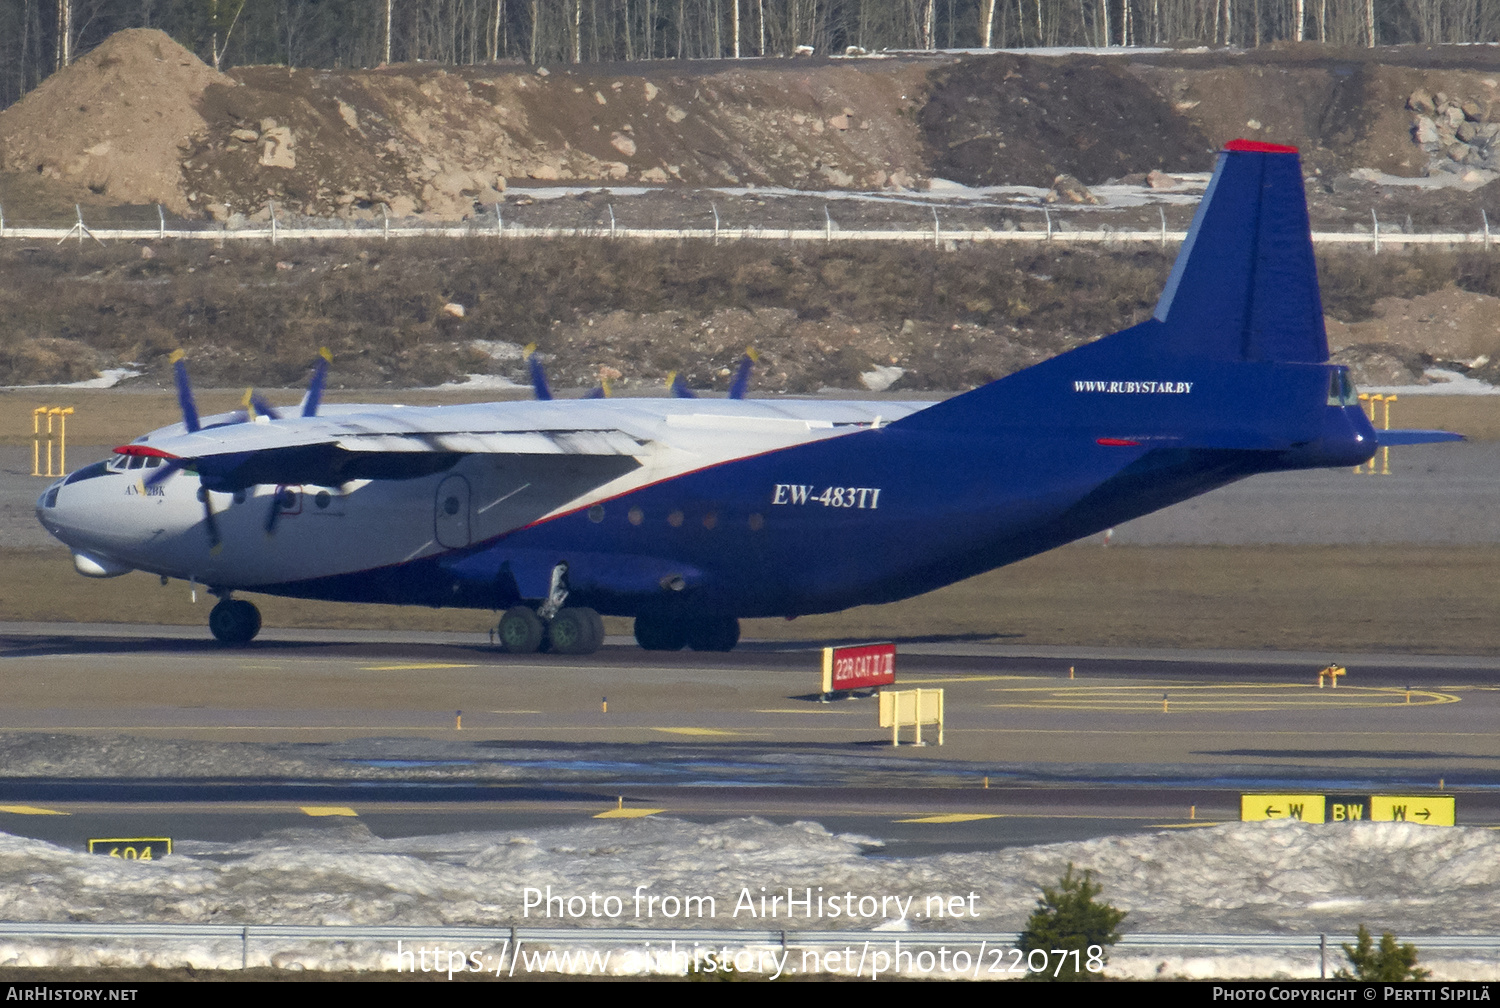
576,630
234,621
713,633
701,633
521,630
660,633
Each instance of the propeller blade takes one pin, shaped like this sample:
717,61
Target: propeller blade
679,388
740,383
171,466
210,522
600,391
538,376
314,397
274,515
255,403
185,393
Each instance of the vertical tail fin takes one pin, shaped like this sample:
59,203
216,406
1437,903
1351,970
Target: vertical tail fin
1245,285
1243,291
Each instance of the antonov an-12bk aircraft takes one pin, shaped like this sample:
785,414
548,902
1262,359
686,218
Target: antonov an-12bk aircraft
689,514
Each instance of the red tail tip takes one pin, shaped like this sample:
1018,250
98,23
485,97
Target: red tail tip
1258,147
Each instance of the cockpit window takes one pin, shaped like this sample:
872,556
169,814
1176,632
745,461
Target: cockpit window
1341,389
88,472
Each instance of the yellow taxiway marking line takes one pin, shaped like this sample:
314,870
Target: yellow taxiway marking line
628,813
1223,697
951,817
420,665
328,810
697,731
30,810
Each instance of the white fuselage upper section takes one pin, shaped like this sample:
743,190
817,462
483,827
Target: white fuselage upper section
518,463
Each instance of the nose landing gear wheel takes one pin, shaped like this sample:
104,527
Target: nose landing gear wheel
234,621
576,630
521,630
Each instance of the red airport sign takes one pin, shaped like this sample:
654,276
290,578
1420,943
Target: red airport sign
860,667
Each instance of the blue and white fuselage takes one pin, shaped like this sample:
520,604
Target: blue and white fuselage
689,514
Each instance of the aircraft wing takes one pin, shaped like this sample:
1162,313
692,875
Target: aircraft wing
406,442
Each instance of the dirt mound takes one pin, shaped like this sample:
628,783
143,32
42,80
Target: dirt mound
115,121
1451,325
438,141
1015,120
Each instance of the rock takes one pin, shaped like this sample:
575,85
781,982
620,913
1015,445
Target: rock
276,148
454,309
1426,131
1158,179
623,144
1454,115
614,169
1472,111
267,124
1460,153
803,50
147,252
350,117
1466,131
245,135
839,122
881,377
545,173
1067,189
1421,102
599,97
402,206
542,71
652,91
653,175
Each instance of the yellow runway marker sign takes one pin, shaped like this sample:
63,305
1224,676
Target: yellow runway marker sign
951,817
1426,810
328,810
629,813
132,848
1309,808
30,810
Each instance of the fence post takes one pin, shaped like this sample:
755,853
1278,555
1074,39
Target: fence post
273,222
1377,230
2,221
936,235
499,223
1048,214
611,219
715,209
385,221
1484,216
1161,210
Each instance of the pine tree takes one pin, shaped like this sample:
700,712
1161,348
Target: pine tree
1067,918
1389,962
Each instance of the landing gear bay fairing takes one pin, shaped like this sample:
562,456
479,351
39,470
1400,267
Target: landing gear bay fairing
689,514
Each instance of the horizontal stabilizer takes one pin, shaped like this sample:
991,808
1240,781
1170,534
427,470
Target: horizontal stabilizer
1388,438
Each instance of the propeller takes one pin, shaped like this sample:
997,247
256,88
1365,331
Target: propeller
185,393
539,384
679,388
740,383
314,397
